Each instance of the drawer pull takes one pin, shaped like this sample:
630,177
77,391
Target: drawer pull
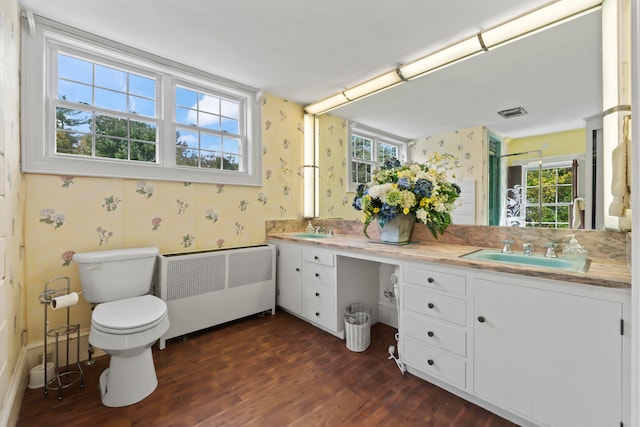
317,274
430,334
317,294
430,280
316,257
317,314
430,305
481,319
298,270
430,362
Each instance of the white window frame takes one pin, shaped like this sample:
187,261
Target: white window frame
377,136
38,123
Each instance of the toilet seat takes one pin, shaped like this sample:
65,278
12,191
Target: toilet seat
130,315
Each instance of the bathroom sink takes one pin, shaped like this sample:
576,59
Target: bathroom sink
309,235
493,255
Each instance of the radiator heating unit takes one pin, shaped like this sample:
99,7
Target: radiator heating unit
208,288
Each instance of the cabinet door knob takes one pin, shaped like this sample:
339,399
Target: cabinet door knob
317,274
317,294
430,362
430,305
317,314
430,280
298,270
430,334
316,257
481,319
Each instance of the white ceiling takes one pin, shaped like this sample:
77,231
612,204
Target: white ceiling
305,51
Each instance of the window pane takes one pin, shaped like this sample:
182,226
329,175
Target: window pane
532,213
186,157
208,121
143,131
111,78
230,109
210,142
210,160
231,146
112,100
75,69
76,120
549,194
111,126
187,139
362,148
73,143
143,152
563,214
565,176
532,195
210,104
564,194
142,86
112,148
230,126
142,106
186,98
186,116
231,163
74,92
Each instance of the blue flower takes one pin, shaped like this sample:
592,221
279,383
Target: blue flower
423,188
391,163
404,184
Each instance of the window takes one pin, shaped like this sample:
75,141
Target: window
369,149
557,190
109,110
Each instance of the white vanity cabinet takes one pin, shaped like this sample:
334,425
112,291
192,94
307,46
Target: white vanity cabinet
319,287
553,356
289,277
434,322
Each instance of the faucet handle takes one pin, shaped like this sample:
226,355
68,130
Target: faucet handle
551,250
527,249
506,249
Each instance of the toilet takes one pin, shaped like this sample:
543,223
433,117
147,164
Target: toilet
126,321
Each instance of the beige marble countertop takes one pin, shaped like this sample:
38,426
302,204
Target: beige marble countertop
601,272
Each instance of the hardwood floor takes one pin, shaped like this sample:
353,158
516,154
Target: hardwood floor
265,371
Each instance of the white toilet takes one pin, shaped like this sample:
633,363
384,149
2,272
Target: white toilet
127,320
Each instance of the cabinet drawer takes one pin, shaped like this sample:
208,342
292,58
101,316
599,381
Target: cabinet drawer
436,280
437,334
435,305
320,294
318,256
319,273
435,362
319,313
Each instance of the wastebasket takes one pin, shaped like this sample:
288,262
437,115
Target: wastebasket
357,326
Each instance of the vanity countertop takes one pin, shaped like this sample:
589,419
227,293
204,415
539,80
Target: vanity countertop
602,272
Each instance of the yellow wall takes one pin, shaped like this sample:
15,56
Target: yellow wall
76,214
469,146
552,144
335,201
12,196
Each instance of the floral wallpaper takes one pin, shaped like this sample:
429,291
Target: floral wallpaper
335,201
67,214
12,197
469,146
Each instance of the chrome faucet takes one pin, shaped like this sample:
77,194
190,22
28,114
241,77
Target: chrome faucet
330,232
551,250
527,249
320,230
506,249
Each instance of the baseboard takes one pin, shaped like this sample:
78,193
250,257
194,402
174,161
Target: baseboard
11,406
388,314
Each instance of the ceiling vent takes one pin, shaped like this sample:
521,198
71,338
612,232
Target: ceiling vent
512,112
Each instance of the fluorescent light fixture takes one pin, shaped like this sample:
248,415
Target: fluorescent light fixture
327,104
545,16
374,85
443,57
536,19
309,166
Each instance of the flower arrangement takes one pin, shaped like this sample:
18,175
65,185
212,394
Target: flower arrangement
423,190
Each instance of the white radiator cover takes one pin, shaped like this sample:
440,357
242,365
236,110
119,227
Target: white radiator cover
204,289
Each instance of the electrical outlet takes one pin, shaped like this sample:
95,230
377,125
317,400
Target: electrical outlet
388,293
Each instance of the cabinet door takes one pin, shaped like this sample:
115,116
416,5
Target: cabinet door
551,357
289,277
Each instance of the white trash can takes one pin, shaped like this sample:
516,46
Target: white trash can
357,326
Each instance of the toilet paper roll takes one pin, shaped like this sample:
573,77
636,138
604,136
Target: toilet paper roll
64,300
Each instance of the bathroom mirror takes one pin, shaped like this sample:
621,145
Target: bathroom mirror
555,75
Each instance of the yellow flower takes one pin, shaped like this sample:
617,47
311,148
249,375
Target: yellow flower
376,210
405,210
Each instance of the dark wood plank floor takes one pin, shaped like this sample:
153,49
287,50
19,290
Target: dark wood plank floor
265,371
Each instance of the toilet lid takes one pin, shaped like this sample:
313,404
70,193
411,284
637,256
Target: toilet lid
131,313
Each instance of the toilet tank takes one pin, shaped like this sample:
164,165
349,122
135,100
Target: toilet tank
116,274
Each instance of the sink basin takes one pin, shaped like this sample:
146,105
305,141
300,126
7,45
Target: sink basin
309,235
493,255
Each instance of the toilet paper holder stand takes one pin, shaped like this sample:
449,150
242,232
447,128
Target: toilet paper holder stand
67,375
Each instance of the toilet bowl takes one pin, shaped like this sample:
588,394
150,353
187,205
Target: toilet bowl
126,321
